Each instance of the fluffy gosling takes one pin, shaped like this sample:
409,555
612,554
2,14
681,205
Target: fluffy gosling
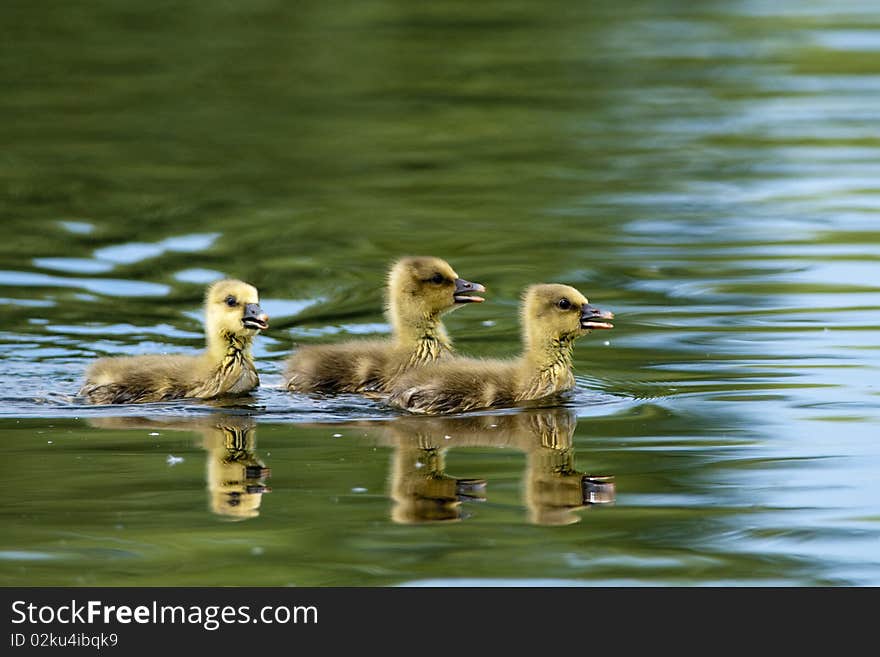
553,316
233,318
420,290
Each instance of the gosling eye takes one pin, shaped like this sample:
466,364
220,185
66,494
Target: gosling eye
231,301
563,304
437,278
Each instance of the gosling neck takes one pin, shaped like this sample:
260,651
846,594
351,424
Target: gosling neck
227,346
419,330
547,366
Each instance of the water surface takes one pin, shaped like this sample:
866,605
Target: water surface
708,172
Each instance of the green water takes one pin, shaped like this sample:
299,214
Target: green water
708,171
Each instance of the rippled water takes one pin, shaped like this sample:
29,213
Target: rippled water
708,171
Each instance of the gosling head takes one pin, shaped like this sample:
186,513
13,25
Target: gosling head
233,307
559,313
427,287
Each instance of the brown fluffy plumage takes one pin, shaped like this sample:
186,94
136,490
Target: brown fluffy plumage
233,318
553,317
420,290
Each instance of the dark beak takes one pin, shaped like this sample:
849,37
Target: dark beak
254,317
464,289
470,489
591,318
598,490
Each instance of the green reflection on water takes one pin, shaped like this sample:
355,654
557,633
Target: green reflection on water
707,172
351,504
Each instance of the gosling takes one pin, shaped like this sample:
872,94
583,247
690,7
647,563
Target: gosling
419,291
553,317
233,318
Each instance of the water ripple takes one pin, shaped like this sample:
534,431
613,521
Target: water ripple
106,286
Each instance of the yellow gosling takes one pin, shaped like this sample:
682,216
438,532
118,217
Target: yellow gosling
233,318
553,316
420,291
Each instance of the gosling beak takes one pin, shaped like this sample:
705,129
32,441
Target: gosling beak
598,490
463,291
254,317
470,489
591,316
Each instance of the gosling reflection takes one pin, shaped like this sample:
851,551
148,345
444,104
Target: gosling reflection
421,489
236,476
554,489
